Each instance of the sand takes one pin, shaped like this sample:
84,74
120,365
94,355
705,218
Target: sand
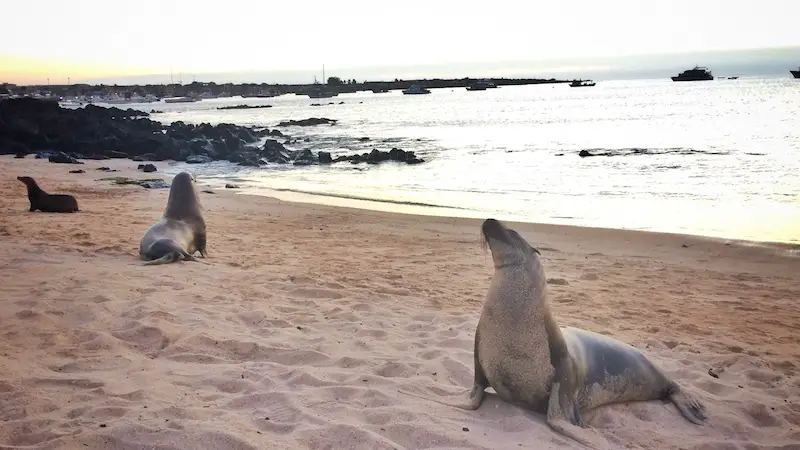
308,320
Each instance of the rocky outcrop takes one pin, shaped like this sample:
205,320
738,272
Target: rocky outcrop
244,107
42,127
60,158
154,183
31,126
307,122
376,156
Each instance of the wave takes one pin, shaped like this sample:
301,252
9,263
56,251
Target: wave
362,198
633,151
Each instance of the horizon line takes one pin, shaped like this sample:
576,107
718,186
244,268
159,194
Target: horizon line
293,72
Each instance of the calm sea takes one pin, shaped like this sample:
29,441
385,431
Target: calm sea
717,158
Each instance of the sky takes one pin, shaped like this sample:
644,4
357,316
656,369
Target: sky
94,40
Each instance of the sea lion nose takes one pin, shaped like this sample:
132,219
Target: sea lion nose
490,224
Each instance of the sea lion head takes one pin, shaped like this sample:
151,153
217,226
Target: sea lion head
183,199
508,248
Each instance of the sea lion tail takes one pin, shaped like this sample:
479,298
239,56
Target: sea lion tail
166,259
690,406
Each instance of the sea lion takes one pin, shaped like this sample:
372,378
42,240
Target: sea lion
530,361
181,231
41,200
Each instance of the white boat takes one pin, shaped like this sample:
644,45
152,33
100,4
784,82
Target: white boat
416,89
71,103
181,100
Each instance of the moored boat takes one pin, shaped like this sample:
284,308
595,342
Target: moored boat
416,89
696,73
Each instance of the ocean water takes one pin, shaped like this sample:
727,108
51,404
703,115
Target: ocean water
715,158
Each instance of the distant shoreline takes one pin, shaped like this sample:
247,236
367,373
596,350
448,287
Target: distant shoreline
263,90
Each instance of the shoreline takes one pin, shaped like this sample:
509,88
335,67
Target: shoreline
420,210
439,210
427,210
308,319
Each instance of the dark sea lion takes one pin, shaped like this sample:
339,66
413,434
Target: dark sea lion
41,200
531,362
181,231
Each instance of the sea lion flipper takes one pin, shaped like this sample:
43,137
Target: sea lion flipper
480,382
476,396
562,406
166,259
473,400
689,405
190,257
563,416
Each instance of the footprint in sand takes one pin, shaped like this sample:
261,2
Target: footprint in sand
277,413
323,437
147,339
372,333
27,314
28,433
760,416
107,413
94,365
348,362
715,387
395,370
315,293
83,383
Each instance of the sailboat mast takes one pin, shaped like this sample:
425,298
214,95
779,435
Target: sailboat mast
323,75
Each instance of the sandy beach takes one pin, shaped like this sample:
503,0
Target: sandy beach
308,320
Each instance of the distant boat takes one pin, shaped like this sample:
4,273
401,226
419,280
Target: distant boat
416,89
67,103
481,85
695,74
261,95
582,83
795,73
379,90
733,78
320,90
181,100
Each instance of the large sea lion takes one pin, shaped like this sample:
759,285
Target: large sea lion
531,362
41,200
181,231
